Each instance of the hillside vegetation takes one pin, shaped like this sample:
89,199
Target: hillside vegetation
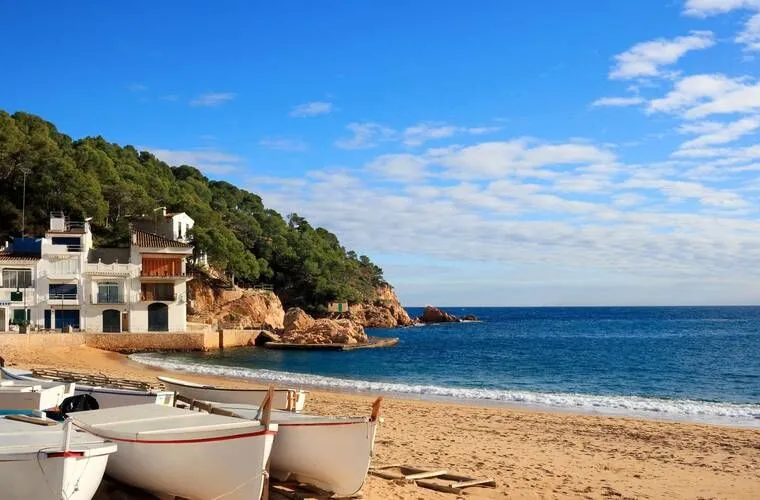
91,177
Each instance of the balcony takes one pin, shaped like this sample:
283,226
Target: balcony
156,277
63,299
108,269
99,298
61,249
158,297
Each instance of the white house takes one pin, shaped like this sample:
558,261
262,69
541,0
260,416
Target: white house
62,282
19,273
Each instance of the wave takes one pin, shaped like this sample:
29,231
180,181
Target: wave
636,406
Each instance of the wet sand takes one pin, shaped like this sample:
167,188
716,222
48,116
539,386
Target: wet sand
531,454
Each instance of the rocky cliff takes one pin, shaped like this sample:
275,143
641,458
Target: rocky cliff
384,312
233,307
213,302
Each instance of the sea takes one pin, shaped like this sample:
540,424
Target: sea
699,364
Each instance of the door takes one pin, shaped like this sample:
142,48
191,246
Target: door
65,318
158,317
125,322
111,321
2,320
47,319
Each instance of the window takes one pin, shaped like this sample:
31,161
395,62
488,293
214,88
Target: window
62,291
63,267
109,293
158,291
17,278
21,316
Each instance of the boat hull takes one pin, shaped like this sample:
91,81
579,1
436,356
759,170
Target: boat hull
334,456
52,478
105,396
283,399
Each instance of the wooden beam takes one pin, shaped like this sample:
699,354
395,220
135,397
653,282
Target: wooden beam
425,474
376,410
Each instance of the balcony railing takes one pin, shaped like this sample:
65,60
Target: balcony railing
63,296
164,274
158,297
107,299
100,268
58,248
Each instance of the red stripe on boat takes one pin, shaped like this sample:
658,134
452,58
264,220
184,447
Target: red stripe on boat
181,441
65,454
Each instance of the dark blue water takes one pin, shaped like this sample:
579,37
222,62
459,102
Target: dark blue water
680,362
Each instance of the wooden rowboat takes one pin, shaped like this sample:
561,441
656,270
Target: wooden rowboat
44,460
283,399
19,396
107,395
192,455
332,453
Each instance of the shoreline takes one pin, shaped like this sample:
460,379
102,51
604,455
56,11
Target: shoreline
530,453
295,379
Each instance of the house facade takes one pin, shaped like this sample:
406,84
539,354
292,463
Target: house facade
65,283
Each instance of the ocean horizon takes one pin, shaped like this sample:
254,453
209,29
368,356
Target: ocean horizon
689,363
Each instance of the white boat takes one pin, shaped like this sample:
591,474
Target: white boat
39,462
283,399
173,451
18,396
332,453
107,397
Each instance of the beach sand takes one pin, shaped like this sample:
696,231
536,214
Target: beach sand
530,454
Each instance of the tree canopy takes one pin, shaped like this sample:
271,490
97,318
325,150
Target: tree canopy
93,178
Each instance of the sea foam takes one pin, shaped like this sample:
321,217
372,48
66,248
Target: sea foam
636,406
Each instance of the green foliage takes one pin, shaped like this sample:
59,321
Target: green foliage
93,178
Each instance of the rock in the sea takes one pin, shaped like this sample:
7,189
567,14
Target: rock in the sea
296,319
433,314
300,328
469,317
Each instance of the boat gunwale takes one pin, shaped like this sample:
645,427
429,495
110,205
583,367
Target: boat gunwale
264,432
192,385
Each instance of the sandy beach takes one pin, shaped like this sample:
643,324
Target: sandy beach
530,454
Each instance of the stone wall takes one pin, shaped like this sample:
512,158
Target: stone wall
136,342
141,342
41,340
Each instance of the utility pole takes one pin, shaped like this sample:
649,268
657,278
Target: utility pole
23,208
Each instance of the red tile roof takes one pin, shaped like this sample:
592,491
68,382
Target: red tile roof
5,255
150,240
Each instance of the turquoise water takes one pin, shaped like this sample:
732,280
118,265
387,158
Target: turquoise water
689,363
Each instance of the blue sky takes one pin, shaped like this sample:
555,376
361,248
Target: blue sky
483,153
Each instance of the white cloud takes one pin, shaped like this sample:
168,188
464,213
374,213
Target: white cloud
719,133
704,8
283,144
212,99
312,109
628,199
209,161
423,132
420,133
617,101
517,157
482,130
366,135
400,167
699,96
750,36
645,59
